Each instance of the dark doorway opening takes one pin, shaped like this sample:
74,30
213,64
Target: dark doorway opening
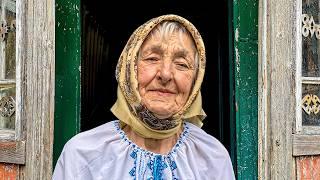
105,31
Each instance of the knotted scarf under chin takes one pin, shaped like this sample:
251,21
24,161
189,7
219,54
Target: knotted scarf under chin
144,122
121,110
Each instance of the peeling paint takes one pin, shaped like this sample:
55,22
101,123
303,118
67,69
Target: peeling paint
236,36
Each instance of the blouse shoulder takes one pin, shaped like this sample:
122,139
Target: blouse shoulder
206,141
83,149
209,153
93,137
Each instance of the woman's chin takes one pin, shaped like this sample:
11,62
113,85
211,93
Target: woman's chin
162,116
161,109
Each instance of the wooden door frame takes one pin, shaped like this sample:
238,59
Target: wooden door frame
277,103
245,68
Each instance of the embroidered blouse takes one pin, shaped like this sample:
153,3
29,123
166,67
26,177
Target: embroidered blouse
105,152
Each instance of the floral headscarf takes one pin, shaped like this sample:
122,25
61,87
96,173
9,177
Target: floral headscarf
128,107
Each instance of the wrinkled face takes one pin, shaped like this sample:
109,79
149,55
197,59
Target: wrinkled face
166,71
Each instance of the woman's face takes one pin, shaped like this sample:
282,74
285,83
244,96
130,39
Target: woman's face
166,70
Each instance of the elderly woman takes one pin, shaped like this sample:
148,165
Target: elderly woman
158,133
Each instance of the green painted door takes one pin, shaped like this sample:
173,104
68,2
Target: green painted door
245,59
67,95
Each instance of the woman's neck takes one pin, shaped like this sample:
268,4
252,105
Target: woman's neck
159,146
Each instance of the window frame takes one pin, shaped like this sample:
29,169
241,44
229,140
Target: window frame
12,144
306,139
35,82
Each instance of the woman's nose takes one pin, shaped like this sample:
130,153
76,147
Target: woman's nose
165,73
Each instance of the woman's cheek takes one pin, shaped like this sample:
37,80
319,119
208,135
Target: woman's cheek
184,82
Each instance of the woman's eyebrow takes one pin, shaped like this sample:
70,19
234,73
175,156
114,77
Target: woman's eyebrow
183,53
155,49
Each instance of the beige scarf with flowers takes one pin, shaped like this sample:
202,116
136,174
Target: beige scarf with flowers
128,105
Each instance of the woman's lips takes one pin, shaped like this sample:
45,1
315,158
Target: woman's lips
163,92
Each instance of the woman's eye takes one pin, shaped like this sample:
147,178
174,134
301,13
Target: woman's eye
152,59
182,66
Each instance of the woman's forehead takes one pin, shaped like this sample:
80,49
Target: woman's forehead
157,42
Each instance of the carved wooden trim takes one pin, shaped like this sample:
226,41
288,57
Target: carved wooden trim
310,103
309,27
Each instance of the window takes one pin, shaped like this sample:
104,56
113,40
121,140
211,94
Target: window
7,68
27,74
306,140
12,148
309,76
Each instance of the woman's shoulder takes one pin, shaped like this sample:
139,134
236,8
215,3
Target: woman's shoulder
91,143
206,143
86,149
207,154
95,136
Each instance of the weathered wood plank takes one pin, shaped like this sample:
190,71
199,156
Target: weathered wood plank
35,84
12,152
310,130
276,89
263,94
7,135
306,145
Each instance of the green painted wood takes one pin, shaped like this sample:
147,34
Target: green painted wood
245,19
67,95
233,144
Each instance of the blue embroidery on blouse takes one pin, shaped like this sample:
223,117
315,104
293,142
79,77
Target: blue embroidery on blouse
133,154
173,165
156,163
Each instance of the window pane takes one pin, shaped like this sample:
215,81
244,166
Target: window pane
311,37
7,39
7,107
310,105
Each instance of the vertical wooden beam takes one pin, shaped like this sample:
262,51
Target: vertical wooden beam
36,59
276,88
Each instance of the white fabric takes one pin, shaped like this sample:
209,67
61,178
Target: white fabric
106,153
